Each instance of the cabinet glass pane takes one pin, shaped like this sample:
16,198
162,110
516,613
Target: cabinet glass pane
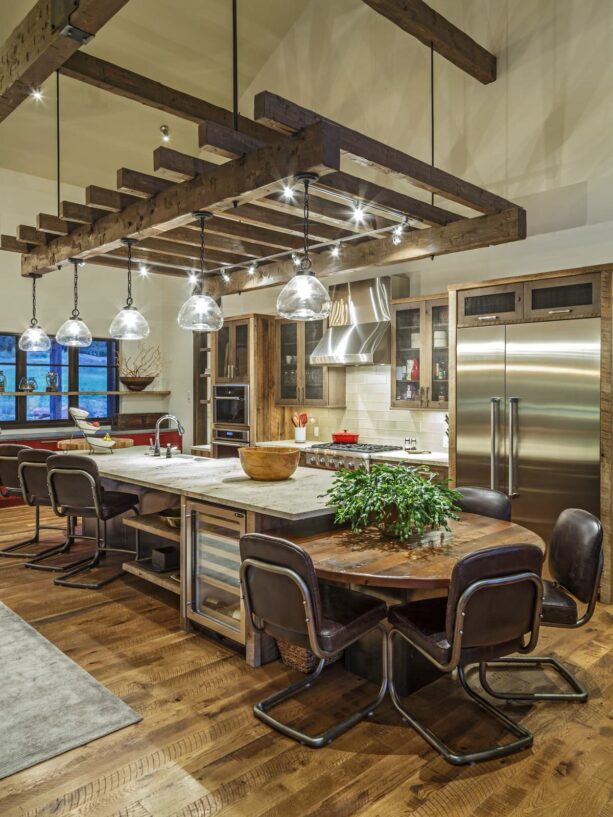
241,371
408,354
223,351
288,376
493,303
440,354
313,375
562,296
216,572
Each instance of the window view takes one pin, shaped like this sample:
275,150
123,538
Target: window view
50,375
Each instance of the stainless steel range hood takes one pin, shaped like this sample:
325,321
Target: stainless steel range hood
359,325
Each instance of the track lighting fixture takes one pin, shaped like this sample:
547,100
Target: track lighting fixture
165,131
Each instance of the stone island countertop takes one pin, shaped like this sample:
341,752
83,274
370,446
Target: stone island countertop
221,481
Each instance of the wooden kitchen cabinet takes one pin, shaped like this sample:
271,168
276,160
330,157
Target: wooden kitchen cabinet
298,382
232,352
420,353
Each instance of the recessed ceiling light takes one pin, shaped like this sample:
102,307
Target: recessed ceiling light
165,131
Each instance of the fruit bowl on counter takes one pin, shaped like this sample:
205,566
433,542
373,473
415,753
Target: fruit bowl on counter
269,464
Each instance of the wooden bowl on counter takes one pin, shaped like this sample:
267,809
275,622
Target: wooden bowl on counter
269,464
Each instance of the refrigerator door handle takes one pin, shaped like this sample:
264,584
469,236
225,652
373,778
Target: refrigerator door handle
494,409
513,422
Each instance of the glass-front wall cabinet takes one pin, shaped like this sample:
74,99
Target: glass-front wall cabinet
232,352
420,353
212,561
299,381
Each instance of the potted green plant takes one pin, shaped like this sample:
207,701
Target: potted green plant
402,501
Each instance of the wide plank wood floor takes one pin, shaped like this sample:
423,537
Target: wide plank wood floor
199,752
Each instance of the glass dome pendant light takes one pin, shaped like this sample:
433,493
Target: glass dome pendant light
74,331
129,323
304,297
200,313
34,339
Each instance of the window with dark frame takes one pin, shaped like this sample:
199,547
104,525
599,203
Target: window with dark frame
92,369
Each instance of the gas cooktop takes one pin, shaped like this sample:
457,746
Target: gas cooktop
356,448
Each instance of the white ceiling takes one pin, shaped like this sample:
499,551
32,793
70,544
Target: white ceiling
186,44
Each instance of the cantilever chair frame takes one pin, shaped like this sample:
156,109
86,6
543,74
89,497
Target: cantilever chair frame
101,551
525,738
580,693
260,709
9,550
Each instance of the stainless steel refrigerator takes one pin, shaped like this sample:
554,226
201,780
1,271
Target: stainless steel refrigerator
528,415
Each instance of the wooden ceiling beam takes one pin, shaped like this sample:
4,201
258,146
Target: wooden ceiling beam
29,235
288,117
227,142
241,230
120,263
432,29
255,175
9,243
110,200
127,84
36,47
328,212
80,213
178,166
185,235
140,184
467,234
53,225
191,254
265,217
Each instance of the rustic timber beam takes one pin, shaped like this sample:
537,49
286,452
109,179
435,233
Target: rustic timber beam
255,175
53,225
288,117
227,142
127,84
245,231
265,217
140,184
80,213
143,254
36,47
192,253
467,234
9,243
178,166
111,200
185,235
120,263
29,235
431,28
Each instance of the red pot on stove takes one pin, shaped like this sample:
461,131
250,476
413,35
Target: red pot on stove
345,437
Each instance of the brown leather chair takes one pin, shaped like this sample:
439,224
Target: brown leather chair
32,471
494,602
485,502
11,487
575,561
284,599
75,490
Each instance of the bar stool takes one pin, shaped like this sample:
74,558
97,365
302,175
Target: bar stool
11,486
284,599
32,472
575,561
75,490
485,502
495,598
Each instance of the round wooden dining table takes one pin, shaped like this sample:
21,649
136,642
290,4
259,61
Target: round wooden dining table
423,562
403,571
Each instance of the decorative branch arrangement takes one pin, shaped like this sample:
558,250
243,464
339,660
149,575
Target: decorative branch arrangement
145,365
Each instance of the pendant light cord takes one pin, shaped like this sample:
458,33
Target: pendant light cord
306,215
34,321
235,63
75,311
432,112
129,301
57,135
202,270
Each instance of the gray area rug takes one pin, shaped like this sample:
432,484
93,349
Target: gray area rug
48,704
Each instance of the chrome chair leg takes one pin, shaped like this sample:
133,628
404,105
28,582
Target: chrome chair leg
39,563
260,710
10,550
525,738
579,695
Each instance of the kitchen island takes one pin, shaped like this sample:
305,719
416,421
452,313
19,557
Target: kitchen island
218,504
